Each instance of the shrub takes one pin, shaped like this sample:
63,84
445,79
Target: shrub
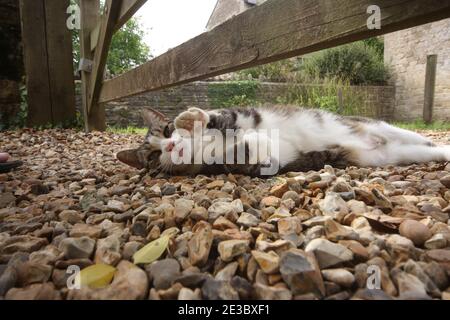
233,93
357,63
324,94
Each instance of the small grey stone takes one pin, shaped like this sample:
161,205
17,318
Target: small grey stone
164,272
218,290
168,190
77,248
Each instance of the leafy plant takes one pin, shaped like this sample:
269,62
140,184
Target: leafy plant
357,63
279,71
233,93
127,50
325,94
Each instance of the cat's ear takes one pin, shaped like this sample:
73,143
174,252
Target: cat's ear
154,118
130,157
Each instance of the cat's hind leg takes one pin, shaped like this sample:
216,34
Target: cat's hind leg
402,154
403,136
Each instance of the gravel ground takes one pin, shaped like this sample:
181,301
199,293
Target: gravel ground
332,234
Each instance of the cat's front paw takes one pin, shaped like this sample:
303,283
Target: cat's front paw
187,119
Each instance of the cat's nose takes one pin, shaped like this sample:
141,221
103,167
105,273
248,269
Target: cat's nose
170,146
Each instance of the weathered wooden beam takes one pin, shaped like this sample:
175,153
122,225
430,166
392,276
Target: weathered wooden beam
95,110
275,30
48,61
36,62
60,62
127,10
89,16
430,84
95,34
109,18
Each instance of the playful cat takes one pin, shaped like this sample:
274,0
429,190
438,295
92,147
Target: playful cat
160,128
307,139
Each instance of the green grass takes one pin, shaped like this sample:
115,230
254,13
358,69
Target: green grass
420,125
128,130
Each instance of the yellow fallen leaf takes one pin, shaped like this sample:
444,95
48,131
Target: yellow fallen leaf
171,232
97,275
151,251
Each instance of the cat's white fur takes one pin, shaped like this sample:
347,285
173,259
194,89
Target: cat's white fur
377,144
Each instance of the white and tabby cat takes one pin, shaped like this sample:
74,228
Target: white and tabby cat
306,136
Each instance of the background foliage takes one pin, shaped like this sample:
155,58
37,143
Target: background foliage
359,63
127,50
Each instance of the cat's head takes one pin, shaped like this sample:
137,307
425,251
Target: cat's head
147,155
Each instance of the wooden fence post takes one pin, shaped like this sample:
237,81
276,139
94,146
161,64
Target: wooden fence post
90,10
48,62
430,84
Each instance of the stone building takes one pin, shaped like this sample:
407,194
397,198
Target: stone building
406,53
226,9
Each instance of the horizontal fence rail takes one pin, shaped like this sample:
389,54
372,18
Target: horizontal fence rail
273,31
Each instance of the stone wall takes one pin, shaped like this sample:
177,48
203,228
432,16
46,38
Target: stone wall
377,101
406,52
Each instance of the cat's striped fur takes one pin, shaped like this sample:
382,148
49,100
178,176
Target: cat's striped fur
309,139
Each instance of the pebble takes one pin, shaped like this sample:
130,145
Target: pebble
230,249
116,206
438,241
268,262
300,271
188,294
37,291
333,205
71,216
182,208
200,244
417,232
342,277
168,190
164,272
218,290
227,273
218,209
85,230
8,280
410,287
264,292
446,181
329,254
108,251
77,248
32,272
24,243
248,220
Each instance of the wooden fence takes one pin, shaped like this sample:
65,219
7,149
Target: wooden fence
275,30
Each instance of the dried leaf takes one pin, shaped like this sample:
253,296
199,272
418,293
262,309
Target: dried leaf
97,275
377,224
151,251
